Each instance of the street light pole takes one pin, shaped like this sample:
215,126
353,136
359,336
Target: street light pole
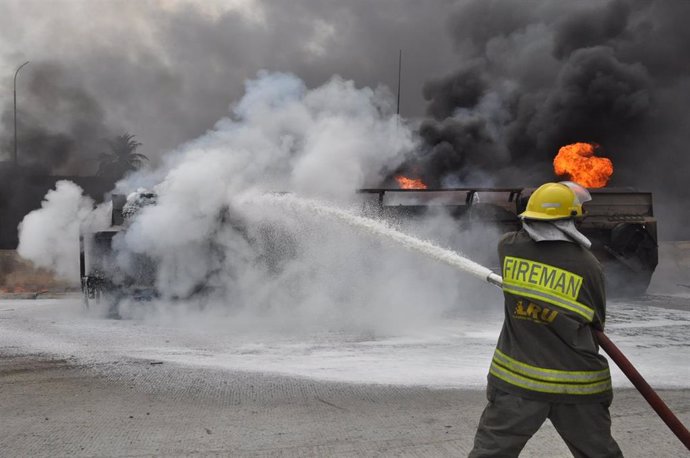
399,72
15,110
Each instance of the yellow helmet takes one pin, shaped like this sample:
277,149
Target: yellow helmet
552,201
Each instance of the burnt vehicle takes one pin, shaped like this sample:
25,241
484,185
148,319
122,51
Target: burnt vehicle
110,273
619,222
102,276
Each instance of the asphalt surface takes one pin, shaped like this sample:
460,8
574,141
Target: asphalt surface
52,407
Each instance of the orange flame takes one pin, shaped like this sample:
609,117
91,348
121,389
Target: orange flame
410,183
578,163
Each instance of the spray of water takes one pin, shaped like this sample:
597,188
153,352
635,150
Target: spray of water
378,228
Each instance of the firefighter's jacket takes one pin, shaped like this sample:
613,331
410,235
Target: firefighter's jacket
554,297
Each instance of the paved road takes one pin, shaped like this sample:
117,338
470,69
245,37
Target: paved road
73,385
54,407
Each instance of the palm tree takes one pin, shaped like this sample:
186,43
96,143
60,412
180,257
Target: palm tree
122,157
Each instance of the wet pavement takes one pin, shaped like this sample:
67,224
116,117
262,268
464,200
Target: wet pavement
78,385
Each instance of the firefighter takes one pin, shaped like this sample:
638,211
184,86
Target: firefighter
547,362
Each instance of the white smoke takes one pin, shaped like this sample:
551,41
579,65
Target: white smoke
328,142
282,136
258,264
49,237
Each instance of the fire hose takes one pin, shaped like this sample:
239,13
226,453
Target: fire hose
633,375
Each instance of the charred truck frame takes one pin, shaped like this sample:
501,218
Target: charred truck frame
620,223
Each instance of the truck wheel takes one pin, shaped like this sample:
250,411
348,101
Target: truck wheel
634,256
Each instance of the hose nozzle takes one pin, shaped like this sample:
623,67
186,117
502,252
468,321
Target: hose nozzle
495,279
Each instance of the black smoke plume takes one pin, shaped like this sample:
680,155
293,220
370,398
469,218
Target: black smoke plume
61,126
61,133
167,71
535,75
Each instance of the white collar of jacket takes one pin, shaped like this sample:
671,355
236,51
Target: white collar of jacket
563,229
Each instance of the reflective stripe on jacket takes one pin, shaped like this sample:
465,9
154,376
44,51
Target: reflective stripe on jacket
551,381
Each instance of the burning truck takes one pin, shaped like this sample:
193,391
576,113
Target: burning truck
619,222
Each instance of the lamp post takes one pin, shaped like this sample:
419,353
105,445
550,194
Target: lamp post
15,110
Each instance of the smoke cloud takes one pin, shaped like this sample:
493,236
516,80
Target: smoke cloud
258,264
63,129
166,70
328,141
50,236
537,75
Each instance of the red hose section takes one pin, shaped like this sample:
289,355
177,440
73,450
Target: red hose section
643,387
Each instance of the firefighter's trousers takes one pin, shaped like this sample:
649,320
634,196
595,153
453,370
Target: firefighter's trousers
509,421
